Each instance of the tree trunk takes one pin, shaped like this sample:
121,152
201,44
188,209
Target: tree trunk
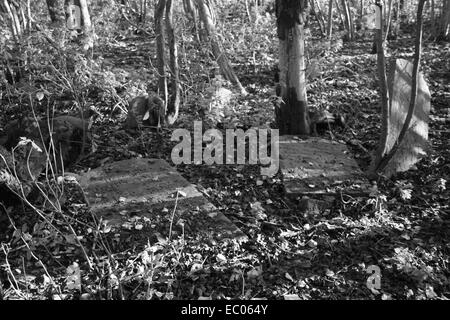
340,13
320,13
18,22
389,16
444,27
247,11
330,19
88,31
173,104
381,66
315,12
432,16
160,52
142,11
205,11
170,94
191,12
361,10
291,114
348,20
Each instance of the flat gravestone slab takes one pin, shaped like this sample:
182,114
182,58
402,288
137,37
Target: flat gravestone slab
142,187
319,167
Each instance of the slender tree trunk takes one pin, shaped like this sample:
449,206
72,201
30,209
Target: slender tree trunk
88,30
330,19
348,20
247,10
12,20
191,12
381,66
341,18
205,11
18,21
361,10
320,13
174,97
160,52
388,24
315,12
169,94
29,14
433,22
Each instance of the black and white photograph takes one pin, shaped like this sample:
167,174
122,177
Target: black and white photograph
225,158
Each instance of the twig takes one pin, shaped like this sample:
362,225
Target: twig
173,215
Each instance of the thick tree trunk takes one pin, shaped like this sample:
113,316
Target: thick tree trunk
291,114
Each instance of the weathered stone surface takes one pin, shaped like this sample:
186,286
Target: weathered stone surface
314,206
415,144
319,167
144,186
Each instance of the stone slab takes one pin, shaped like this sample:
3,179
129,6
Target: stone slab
415,144
144,186
317,166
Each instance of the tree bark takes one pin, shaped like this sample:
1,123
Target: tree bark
88,31
174,95
170,94
340,13
348,19
320,22
388,24
292,113
224,64
330,19
191,12
381,66
18,21
160,52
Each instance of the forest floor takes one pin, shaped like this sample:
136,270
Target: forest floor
403,228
